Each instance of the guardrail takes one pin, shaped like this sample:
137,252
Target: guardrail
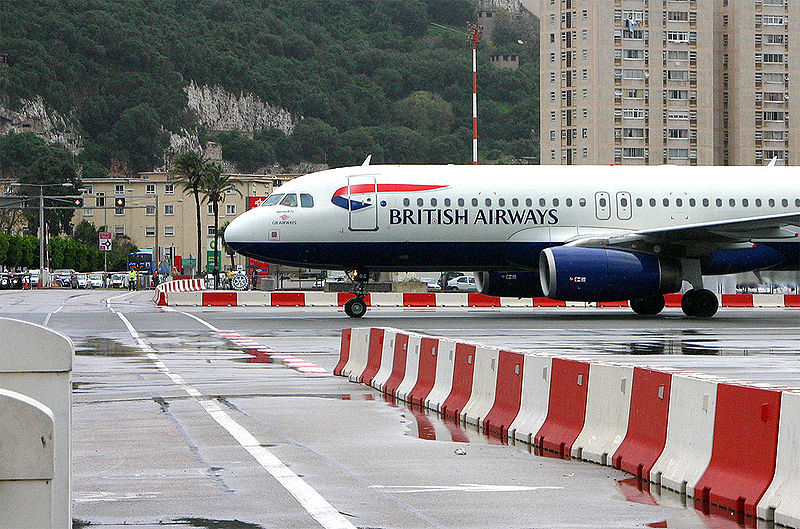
35,418
723,443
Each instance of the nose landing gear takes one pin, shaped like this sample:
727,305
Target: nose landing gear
356,307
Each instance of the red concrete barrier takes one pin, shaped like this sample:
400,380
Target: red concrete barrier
288,299
463,368
481,300
419,299
547,302
672,300
745,448
647,423
737,300
791,300
219,299
373,355
623,303
566,409
428,350
508,395
344,297
344,352
398,364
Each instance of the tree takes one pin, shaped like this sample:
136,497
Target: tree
87,233
425,112
140,136
189,169
215,187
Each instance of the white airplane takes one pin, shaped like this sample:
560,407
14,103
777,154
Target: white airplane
574,233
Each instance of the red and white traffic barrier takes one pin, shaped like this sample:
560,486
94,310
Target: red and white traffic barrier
723,443
193,294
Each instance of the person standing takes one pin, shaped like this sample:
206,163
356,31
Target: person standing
132,279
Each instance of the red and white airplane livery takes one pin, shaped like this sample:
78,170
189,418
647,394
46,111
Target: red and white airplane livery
575,233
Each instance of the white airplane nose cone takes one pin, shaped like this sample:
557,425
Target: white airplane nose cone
240,230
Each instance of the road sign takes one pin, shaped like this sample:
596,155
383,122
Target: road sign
105,241
189,261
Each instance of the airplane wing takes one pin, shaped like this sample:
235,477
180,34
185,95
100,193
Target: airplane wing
701,239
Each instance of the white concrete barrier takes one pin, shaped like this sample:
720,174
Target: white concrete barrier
26,462
608,402
690,433
768,300
484,385
444,375
359,354
37,362
535,398
781,501
387,359
386,299
322,299
452,299
185,299
412,368
253,298
516,302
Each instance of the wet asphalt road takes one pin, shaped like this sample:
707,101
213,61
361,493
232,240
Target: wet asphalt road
150,448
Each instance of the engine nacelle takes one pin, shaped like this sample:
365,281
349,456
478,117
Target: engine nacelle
573,273
509,284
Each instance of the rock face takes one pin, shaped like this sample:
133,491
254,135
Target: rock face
34,116
220,110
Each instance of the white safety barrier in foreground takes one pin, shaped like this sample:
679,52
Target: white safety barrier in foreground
37,363
781,501
412,368
484,385
444,375
535,398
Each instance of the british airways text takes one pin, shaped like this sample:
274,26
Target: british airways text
448,217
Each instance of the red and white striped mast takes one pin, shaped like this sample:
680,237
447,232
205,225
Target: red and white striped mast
474,31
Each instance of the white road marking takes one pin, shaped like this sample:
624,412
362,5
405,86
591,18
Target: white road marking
322,511
463,487
50,315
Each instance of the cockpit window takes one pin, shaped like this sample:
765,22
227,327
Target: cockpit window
290,200
306,200
273,199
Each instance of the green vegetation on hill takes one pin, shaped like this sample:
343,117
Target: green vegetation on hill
370,76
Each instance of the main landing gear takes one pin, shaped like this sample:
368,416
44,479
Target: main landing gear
697,302
356,307
700,303
648,306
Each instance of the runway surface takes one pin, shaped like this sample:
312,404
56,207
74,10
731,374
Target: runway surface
174,427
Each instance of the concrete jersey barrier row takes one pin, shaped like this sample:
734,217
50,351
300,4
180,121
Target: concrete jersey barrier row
193,294
723,443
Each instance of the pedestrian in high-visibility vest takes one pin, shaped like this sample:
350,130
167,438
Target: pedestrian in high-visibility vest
132,280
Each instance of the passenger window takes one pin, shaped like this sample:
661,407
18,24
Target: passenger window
582,202
433,202
718,202
461,202
568,202
602,202
758,202
273,199
528,202
290,200
785,203
666,202
652,202
447,202
772,202
501,202
475,202
306,200
692,202
515,202
639,202
705,202
797,202
555,202
488,202
745,202
542,202
420,202
623,202
732,202
679,202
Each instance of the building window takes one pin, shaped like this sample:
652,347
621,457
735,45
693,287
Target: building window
774,116
150,189
677,115
633,152
633,54
210,208
119,231
119,189
230,209
633,133
678,154
211,231
150,210
552,135
150,231
169,189
88,212
169,209
169,231
774,39
678,36
678,134
773,20
773,58
584,133
678,95
773,78
119,211
88,189
633,113
677,55
100,200
632,74
677,16
678,75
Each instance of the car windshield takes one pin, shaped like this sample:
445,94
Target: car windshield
272,199
95,276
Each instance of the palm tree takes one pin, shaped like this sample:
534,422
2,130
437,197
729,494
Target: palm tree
215,187
188,169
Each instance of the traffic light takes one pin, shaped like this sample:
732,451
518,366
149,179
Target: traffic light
119,202
77,202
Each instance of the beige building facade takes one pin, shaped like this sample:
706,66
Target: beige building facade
158,213
668,81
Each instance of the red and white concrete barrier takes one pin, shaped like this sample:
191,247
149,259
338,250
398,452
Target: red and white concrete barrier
188,292
723,443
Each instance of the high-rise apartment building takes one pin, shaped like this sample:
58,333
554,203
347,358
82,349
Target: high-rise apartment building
669,81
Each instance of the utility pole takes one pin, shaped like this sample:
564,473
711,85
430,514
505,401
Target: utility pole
474,31
42,274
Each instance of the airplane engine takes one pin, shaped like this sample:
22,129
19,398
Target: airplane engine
509,284
572,273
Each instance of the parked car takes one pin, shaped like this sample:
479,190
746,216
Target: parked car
433,286
80,280
62,277
5,281
462,284
119,280
96,280
445,278
34,278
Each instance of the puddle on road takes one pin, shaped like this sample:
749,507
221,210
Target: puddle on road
217,524
105,347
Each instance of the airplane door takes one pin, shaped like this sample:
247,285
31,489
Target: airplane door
602,204
363,203
624,205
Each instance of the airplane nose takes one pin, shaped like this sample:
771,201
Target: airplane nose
240,230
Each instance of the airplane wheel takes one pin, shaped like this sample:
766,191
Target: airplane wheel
355,308
700,303
649,305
